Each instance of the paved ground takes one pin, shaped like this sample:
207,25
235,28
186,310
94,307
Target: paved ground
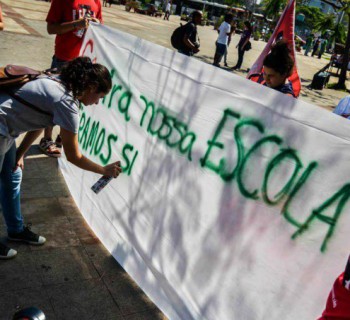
73,276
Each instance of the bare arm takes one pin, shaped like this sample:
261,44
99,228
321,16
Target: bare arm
245,42
61,28
188,43
71,149
27,141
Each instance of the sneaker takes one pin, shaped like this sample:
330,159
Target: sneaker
48,147
6,252
27,236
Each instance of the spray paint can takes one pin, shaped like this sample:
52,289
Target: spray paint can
101,183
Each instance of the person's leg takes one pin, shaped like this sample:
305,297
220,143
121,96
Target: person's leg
216,56
46,144
5,251
220,51
10,184
240,58
48,133
10,187
225,56
313,52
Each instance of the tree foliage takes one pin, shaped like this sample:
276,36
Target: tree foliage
272,8
343,6
234,3
312,15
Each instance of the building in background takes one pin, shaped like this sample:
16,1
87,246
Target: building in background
325,7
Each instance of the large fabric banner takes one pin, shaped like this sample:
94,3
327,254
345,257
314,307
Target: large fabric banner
234,200
284,30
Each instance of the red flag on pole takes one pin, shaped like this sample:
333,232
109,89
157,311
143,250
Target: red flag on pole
284,30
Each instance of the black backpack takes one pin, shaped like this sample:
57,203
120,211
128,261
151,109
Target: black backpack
177,37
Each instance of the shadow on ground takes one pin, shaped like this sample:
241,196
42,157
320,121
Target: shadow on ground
72,276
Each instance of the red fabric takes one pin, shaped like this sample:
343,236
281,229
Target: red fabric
338,302
67,46
284,28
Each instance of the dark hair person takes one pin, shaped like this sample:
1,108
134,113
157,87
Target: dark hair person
278,67
245,36
46,101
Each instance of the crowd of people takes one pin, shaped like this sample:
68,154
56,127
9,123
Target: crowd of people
278,64
318,45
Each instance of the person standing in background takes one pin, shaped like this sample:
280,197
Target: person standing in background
246,34
316,45
190,45
167,11
308,44
68,20
232,33
323,47
222,41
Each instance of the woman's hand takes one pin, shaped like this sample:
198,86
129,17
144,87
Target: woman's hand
19,164
112,170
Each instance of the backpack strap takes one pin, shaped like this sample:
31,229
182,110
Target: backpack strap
26,103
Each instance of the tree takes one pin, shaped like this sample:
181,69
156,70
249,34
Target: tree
339,34
233,3
343,5
273,7
312,15
325,23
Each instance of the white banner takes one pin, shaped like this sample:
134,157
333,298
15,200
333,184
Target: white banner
233,203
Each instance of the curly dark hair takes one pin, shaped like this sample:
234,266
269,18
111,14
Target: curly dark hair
249,26
279,59
81,74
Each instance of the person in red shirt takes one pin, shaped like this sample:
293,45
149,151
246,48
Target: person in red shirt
68,20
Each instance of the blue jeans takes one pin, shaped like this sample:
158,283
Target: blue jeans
10,187
57,63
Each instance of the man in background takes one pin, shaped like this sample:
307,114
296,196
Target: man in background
167,11
222,41
190,44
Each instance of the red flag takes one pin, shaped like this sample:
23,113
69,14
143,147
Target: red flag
338,302
284,30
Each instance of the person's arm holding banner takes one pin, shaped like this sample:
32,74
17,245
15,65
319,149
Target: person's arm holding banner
62,28
57,25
